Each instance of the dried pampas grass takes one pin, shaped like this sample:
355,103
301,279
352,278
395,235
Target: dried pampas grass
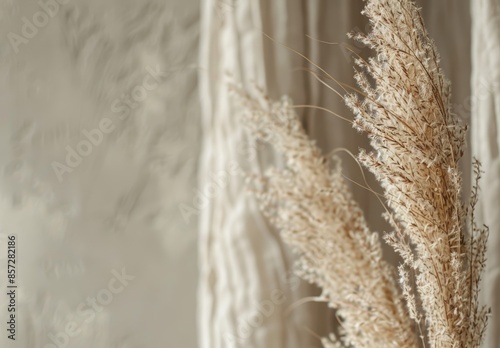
418,143
314,208
403,104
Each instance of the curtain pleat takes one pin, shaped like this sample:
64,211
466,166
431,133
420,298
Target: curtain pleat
485,104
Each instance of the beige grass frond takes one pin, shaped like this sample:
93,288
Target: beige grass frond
313,207
418,143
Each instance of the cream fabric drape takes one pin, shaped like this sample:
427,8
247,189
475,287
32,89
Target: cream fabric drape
242,259
246,284
485,104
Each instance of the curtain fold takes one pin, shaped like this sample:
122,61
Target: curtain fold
246,283
485,105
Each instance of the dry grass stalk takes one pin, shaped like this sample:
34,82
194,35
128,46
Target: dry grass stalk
418,143
314,209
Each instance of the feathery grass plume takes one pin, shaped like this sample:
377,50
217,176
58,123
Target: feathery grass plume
313,207
404,106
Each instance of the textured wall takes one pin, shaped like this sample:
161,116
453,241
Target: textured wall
122,73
